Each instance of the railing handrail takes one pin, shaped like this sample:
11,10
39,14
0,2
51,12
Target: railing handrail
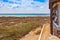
57,26
41,33
45,32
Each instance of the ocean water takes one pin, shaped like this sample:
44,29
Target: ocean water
24,15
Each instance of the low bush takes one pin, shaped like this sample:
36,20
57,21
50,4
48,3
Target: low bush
14,32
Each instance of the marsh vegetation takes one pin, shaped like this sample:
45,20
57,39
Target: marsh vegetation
13,28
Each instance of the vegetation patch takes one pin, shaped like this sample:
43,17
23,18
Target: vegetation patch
13,28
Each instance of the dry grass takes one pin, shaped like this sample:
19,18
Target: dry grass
13,28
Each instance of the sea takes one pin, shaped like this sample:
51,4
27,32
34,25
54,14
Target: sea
23,15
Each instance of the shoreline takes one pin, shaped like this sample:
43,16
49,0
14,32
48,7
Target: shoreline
24,16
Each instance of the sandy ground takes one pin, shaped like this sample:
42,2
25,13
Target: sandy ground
32,35
52,37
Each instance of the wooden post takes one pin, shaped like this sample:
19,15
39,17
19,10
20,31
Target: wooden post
59,14
51,21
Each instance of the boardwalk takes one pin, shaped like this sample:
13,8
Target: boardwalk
45,34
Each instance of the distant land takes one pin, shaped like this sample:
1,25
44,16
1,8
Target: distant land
25,14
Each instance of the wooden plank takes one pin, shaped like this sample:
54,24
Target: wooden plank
45,32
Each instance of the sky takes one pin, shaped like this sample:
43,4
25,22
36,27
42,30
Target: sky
24,6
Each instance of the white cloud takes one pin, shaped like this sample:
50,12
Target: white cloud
24,6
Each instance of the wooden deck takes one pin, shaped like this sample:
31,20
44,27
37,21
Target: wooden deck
45,34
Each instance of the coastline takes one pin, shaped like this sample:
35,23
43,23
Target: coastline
24,15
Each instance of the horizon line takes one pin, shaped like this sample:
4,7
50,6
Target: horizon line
25,14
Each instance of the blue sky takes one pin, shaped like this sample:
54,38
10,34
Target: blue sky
24,6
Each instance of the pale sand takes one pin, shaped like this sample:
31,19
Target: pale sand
33,36
52,37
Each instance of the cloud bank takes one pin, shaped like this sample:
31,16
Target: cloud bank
24,6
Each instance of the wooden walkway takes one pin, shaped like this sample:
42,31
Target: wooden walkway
45,33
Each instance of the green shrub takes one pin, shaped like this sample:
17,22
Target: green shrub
14,32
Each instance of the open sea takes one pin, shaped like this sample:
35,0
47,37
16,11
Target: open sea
23,15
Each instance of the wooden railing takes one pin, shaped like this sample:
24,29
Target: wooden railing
55,25
45,32
56,29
